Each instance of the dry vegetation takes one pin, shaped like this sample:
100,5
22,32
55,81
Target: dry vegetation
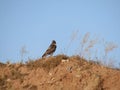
58,73
92,48
63,72
46,64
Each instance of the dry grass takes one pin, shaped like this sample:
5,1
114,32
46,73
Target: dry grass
51,73
46,63
10,72
88,49
107,60
77,64
73,37
110,46
2,64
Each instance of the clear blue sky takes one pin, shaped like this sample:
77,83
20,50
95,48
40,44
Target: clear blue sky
34,23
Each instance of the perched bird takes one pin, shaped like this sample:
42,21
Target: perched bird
51,49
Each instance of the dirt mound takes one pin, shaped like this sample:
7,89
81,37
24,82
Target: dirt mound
58,73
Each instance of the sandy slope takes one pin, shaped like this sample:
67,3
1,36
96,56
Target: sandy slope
58,73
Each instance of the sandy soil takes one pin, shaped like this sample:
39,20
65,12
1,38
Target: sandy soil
58,73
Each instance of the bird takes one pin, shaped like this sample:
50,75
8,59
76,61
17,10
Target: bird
51,49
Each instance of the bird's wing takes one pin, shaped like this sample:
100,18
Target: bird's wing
51,49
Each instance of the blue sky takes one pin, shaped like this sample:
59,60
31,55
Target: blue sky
35,23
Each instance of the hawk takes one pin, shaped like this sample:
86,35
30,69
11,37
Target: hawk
51,49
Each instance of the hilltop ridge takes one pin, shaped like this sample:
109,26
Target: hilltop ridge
60,72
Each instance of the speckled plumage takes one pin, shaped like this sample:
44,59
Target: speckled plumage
51,49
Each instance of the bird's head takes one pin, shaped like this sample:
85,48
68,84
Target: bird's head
54,42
